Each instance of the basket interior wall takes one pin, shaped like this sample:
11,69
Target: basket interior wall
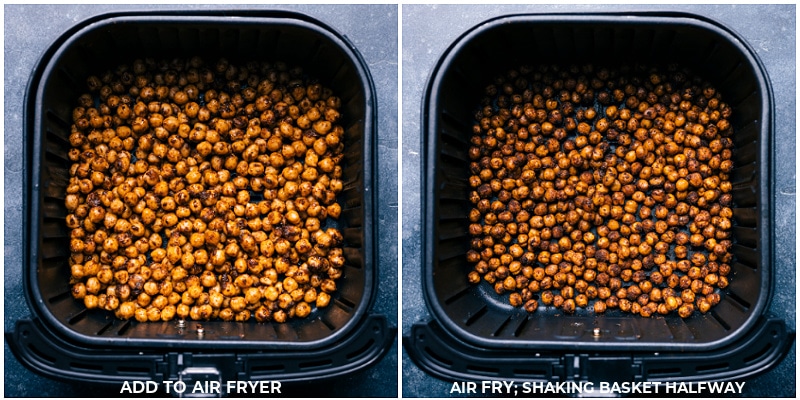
95,50
476,311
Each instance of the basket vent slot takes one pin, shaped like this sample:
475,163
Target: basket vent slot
738,301
457,296
483,369
453,150
53,156
52,249
476,316
712,367
345,304
663,372
86,367
315,364
327,323
456,124
523,322
501,327
60,297
721,321
454,247
268,368
531,373
69,80
80,315
746,217
104,329
124,328
133,370
53,116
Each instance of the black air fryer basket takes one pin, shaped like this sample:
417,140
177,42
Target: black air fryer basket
475,335
63,340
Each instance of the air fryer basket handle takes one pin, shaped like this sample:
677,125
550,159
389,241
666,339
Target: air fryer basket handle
46,354
448,358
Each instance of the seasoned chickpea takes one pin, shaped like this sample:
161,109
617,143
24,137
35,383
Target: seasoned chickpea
622,207
323,299
161,198
310,295
271,293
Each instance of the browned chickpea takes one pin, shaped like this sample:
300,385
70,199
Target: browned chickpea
568,306
279,316
686,310
474,277
323,299
91,301
78,291
599,307
302,309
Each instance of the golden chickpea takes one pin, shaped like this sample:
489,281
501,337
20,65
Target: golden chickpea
310,295
238,304
78,291
181,310
271,293
198,199
151,288
252,295
323,299
159,302
104,276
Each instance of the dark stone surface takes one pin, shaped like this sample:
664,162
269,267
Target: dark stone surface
770,31
427,30
29,29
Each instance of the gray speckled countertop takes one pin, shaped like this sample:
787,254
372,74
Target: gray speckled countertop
30,29
770,30
427,31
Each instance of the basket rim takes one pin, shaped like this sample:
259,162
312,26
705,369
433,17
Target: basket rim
429,134
31,176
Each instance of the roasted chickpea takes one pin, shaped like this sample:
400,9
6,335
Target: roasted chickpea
624,218
160,199
323,299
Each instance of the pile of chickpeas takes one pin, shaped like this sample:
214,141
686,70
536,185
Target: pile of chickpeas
602,188
205,191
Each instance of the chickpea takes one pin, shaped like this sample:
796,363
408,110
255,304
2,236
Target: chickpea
599,307
310,295
271,293
149,162
78,291
328,286
686,310
277,316
252,295
648,199
323,299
